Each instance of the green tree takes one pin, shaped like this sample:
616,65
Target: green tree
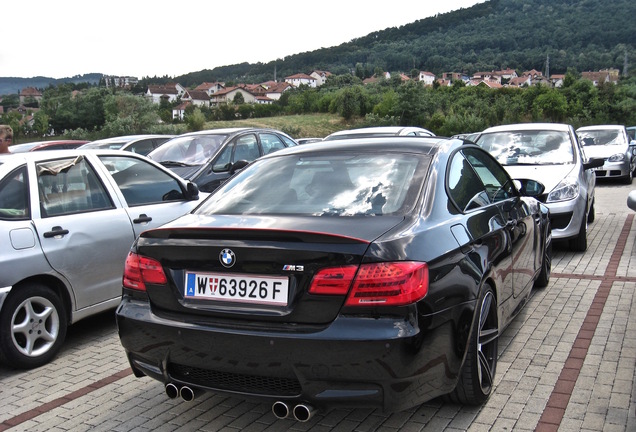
195,120
239,99
128,115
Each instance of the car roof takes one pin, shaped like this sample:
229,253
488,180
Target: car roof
125,138
388,130
15,159
223,131
529,127
601,127
415,144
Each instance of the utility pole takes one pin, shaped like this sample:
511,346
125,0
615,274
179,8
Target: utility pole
625,65
547,67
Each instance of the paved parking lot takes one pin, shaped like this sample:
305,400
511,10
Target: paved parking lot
566,363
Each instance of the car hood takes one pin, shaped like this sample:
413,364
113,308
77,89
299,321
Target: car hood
604,151
549,175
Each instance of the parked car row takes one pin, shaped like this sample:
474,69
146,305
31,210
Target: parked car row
254,266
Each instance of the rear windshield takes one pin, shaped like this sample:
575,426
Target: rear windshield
537,147
342,185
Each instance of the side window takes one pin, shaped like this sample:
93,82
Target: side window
271,143
142,147
491,174
246,148
141,182
14,196
288,142
68,186
223,162
464,186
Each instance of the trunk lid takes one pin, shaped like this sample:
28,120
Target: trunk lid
206,257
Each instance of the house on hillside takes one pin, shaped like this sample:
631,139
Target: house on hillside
522,81
29,93
178,112
426,78
602,76
120,81
274,90
301,79
228,94
320,76
169,92
197,97
210,88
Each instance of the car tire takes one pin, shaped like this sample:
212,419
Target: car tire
476,379
591,216
546,265
579,243
32,326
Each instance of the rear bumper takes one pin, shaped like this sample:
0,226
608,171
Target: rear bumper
386,363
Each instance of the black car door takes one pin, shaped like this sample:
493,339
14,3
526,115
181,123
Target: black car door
519,219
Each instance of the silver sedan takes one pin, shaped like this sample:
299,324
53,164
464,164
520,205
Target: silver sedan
67,221
612,144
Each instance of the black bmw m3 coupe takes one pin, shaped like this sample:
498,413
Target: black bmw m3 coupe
374,272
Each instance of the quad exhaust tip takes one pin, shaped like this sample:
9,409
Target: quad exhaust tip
187,394
301,412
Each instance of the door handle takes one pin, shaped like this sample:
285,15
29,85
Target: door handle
55,231
142,218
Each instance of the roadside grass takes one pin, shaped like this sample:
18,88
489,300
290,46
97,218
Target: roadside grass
297,126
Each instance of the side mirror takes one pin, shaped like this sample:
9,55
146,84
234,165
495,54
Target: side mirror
528,187
631,200
594,163
238,165
192,191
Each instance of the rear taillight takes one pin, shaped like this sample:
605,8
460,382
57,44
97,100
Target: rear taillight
378,284
333,280
140,270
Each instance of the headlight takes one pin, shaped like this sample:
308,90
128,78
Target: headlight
617,158
568,189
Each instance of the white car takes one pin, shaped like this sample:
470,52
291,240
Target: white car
612,144
550,153
380,131
67,221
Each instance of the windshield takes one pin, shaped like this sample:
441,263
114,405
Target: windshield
601,137
190,150
324,185
542,147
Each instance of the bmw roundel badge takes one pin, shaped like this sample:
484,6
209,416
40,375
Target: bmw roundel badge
227,258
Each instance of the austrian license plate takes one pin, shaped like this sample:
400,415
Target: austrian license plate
237,288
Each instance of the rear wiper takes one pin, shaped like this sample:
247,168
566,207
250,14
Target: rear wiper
174,163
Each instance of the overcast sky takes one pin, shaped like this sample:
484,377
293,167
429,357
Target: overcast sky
63,38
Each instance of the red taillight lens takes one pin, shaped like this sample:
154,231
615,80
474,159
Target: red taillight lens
140,270
333,280
389,284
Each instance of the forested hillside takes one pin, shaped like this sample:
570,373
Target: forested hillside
578,35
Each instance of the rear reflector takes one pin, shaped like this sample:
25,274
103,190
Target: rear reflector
389,284
140,270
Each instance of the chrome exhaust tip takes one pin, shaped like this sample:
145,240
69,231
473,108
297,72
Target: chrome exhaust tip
303,412
280,410
172,391
188,394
